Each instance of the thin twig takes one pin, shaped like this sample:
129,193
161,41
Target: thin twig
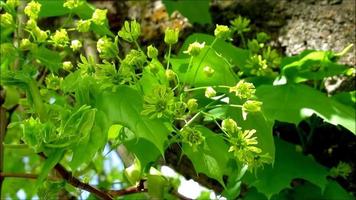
19,175
66,175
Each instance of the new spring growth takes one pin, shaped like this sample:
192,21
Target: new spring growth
67,65
13,3
75,45
222,32
6,20
230,126
240,25
60,38
83,26
153,68
99,16
71,4
32,9
252,106
25,44
192,105
208,71
210,92
243,89
106,48
171,36
194,48
53,82
130,31
170,74
159,103
192,136
243,145
152,52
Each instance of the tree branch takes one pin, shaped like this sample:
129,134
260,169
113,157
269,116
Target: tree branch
19,175
66,175
131,190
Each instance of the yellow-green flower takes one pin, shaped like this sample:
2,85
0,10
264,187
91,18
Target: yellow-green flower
83,25
53,82
159,103
243,89
222,31
32,9
171,36
75,45
152,52
210,92
258,161
99,16
252,106
6,20
192,105
194,48
208,71
71,4
243,145
192,136
230,126
60,38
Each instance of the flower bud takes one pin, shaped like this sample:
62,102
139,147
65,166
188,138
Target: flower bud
192,136
192,105
131,31
32,9
13,3
6,20
25,44
53,82
252,106
153,68
41,35
67,65
75,45
99,16
152,52
31,24
210,92
71,4
230,126
195,48
106,48
60,38
208,71
170,74
262,37
83,25
171,36
243,89
222,32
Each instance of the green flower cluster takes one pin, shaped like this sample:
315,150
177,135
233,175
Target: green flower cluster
243,144
192,136
160,103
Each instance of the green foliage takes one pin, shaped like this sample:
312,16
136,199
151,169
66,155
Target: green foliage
214,100
189,9
292,103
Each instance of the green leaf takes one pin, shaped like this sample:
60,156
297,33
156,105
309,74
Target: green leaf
52,8
189,8
234,55
52,159
310,65
292,103
144,150
85,150
50,59
282,173
211,158
124,107
156,185
221,76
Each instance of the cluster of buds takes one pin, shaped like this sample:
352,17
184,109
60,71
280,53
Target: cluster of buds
192,136
71,4
106,48
243,89
171,36
60,38
194,48
32,9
